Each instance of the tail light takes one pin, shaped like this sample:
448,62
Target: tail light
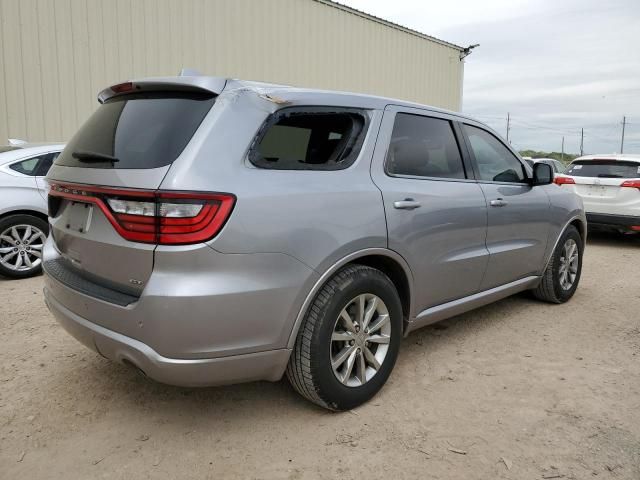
166,218
564,180
631,183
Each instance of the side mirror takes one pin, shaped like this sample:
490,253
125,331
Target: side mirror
542,174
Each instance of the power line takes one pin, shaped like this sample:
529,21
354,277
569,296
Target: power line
605,136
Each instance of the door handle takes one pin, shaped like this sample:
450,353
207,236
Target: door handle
498,202
406,204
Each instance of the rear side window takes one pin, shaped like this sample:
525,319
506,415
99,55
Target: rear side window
35,166
423,147
495,161
138,131
604,169
310,139
45,164
26,167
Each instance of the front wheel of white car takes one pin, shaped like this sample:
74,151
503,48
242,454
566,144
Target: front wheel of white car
349,340
562,275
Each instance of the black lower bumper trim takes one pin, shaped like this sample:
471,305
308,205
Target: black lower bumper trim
63,274
613,220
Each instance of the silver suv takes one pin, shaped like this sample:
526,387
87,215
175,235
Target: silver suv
209,231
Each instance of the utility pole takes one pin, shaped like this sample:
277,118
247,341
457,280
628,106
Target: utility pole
508,125
581,141
624,122
563,148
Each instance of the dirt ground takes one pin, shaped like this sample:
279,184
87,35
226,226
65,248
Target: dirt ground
517,390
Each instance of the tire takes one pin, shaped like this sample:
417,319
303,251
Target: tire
310,369
551,288
31,233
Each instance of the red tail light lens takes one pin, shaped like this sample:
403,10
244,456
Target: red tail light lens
166,218
631,183
564,180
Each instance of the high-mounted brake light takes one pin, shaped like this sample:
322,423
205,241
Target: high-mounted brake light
166,218
122,87
631,183
564,180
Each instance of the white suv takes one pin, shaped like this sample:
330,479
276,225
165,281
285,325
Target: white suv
609,186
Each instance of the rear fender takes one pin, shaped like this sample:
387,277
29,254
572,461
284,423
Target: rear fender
353,257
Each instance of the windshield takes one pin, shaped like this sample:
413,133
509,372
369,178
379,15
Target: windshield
604,169
140,131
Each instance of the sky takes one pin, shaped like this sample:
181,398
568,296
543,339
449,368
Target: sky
555,66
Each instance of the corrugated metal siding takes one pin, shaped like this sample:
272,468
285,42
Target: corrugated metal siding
55,55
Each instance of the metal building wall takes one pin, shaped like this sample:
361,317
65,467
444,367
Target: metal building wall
55,55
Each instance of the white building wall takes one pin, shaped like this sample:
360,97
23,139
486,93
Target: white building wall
55,55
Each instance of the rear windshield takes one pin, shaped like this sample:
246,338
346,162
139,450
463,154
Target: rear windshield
137,131
604,169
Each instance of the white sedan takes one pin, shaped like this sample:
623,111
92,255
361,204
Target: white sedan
609,186
23,206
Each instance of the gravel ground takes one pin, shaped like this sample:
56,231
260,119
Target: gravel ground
518,389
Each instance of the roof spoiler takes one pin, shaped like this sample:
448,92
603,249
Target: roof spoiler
185,83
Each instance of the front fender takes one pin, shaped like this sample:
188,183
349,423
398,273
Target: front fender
566,208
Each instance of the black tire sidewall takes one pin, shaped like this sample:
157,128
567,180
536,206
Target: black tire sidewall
331,390
561,294
22,219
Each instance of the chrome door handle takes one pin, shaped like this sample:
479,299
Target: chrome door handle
406,204
497,203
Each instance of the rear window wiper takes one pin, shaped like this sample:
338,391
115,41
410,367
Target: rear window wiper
89,157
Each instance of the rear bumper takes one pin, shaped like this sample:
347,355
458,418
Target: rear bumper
267,365
197,303
624,221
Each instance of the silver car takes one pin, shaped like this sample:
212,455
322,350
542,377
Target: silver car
23,206
208,231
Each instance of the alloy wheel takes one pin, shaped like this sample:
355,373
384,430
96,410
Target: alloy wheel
569,261
360,340
21,247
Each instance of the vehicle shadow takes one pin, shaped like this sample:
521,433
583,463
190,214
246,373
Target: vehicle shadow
9,279
613,239
133,392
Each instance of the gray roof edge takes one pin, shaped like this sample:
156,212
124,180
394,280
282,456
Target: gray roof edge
373,18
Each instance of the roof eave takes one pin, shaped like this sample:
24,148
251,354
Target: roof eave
373,18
